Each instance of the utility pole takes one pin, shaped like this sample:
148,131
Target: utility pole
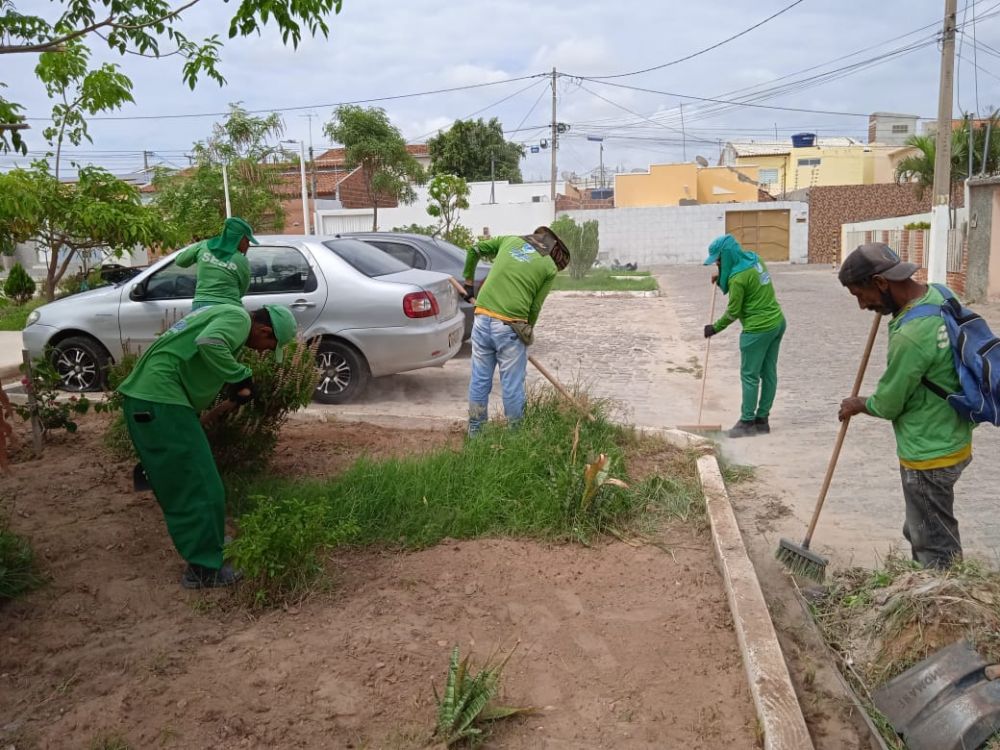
145,161
312,175
602,165
937,256
225,189
555,136
493,163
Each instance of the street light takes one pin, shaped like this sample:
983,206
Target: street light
599,139
305,197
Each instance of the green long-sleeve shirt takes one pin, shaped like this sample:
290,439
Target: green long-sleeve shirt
518,282
219,282
752,302
929,433
191,361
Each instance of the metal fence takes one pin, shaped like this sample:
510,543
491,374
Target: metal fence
912,244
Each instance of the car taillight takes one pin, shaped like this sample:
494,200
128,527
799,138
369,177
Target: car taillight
420,305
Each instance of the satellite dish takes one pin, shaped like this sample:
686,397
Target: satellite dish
702,161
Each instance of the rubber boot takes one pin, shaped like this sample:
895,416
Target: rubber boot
743,429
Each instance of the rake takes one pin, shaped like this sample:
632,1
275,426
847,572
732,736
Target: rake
798,558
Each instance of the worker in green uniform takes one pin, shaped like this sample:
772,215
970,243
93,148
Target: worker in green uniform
507,309
933,442
223,269
744,277
178,376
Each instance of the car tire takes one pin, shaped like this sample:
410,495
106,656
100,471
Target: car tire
82,362
344,373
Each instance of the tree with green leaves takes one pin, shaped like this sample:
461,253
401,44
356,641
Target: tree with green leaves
468,147
150,28
373,143
95,213
193,199
918,167
449,194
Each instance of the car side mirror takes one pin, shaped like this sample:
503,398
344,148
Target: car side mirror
138,292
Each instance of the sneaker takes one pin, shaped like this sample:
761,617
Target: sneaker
743,429
762,425
200,577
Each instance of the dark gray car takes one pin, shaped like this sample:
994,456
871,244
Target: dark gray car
428,253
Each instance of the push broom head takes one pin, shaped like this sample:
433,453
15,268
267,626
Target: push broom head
801,561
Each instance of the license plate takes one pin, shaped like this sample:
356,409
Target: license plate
455,338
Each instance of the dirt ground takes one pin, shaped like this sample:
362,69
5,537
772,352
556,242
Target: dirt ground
619,646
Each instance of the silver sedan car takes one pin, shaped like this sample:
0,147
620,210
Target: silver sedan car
373,315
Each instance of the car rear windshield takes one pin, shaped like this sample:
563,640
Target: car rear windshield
451,249
364,258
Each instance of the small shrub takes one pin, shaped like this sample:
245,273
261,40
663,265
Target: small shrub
583,242
17,563
244,440
19,286
79,283
917,225
461,236
430,230
116,437
52,413
279,546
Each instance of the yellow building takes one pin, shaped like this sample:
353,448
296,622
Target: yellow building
831,161
685,184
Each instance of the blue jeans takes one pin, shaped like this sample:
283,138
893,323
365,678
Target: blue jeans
495,343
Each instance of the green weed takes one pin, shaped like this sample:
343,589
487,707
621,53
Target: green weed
280,543
109,741
18,574
14,317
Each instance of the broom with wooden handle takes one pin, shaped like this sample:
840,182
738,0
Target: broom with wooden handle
537,365
699,427
798,558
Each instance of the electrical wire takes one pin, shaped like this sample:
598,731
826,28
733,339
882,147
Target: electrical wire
704,50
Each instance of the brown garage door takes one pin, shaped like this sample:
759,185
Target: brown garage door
764,232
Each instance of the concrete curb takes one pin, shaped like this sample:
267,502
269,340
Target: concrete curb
778,708
604,293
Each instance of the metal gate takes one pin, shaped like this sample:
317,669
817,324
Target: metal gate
345,221
764,232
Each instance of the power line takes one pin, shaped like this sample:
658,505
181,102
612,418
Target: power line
702,51
420,138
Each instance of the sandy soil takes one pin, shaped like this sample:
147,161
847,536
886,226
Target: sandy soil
619,646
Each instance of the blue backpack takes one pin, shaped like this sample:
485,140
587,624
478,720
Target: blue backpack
977,358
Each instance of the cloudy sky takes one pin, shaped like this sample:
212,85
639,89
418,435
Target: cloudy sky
836,61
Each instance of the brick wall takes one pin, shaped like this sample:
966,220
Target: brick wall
572,203
354,194
911,245
831,207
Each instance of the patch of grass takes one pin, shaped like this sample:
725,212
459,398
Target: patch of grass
18,574
881,622
602,279
109,741
13,317
527,481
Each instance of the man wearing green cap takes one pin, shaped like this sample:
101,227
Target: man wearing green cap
178,376
744,277
223,269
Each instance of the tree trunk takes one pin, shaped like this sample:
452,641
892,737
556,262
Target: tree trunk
375,216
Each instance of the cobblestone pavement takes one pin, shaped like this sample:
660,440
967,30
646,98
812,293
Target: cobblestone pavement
645,354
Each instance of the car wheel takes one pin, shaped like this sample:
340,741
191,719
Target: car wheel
344,373
82,363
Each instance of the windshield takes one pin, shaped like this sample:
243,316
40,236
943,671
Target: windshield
365,258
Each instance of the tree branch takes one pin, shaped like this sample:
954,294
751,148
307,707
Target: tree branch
54,45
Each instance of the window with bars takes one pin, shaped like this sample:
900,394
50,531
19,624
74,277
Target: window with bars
768,176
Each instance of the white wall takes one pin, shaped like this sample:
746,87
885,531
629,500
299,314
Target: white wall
669,235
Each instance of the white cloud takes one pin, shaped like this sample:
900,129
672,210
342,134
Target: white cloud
467,74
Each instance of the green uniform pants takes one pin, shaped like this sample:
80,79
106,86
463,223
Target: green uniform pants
759,371
174,452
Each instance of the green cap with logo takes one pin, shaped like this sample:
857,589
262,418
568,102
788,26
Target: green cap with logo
227,242
284,326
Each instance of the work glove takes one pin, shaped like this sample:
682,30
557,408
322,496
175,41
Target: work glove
234,394
710,331
470,292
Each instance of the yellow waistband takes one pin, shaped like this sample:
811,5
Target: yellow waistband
941,462
498,316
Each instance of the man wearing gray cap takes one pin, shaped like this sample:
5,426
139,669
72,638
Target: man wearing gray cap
933,441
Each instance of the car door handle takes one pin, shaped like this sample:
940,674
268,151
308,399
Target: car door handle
302,304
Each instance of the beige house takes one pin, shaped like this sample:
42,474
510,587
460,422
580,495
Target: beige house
685,185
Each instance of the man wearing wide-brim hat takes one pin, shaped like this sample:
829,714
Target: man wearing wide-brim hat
507,308
933,442
223,269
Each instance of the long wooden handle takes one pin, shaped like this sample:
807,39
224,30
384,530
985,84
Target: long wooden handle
708,344
538,365
218,411
843,430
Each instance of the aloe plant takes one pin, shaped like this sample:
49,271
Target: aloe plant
465,707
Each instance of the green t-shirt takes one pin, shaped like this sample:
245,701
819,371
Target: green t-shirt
519,281
191,361
926,427
219,281
752,302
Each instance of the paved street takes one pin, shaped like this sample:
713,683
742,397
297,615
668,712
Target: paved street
645,354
